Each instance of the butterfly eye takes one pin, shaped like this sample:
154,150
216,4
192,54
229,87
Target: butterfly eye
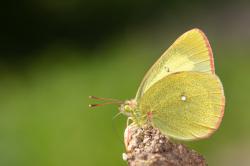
127,108
183,98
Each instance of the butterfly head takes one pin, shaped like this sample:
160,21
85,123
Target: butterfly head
128,107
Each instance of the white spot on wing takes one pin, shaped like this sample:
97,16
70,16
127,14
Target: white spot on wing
183,98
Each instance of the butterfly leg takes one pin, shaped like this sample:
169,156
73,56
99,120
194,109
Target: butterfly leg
129,121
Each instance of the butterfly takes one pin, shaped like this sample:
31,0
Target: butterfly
180,94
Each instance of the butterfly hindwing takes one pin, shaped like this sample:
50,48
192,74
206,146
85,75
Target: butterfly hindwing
185,105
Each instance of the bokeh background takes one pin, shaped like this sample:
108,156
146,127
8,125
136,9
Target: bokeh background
54,54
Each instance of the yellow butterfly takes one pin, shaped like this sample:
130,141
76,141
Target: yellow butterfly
180,94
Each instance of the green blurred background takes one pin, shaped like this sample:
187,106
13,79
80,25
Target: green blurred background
54,54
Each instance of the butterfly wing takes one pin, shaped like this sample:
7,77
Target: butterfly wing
190,52
185,105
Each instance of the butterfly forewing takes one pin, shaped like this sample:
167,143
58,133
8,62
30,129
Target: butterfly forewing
185,105
190,52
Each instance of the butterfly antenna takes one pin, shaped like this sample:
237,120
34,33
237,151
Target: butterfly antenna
110,101
100,98
102,104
